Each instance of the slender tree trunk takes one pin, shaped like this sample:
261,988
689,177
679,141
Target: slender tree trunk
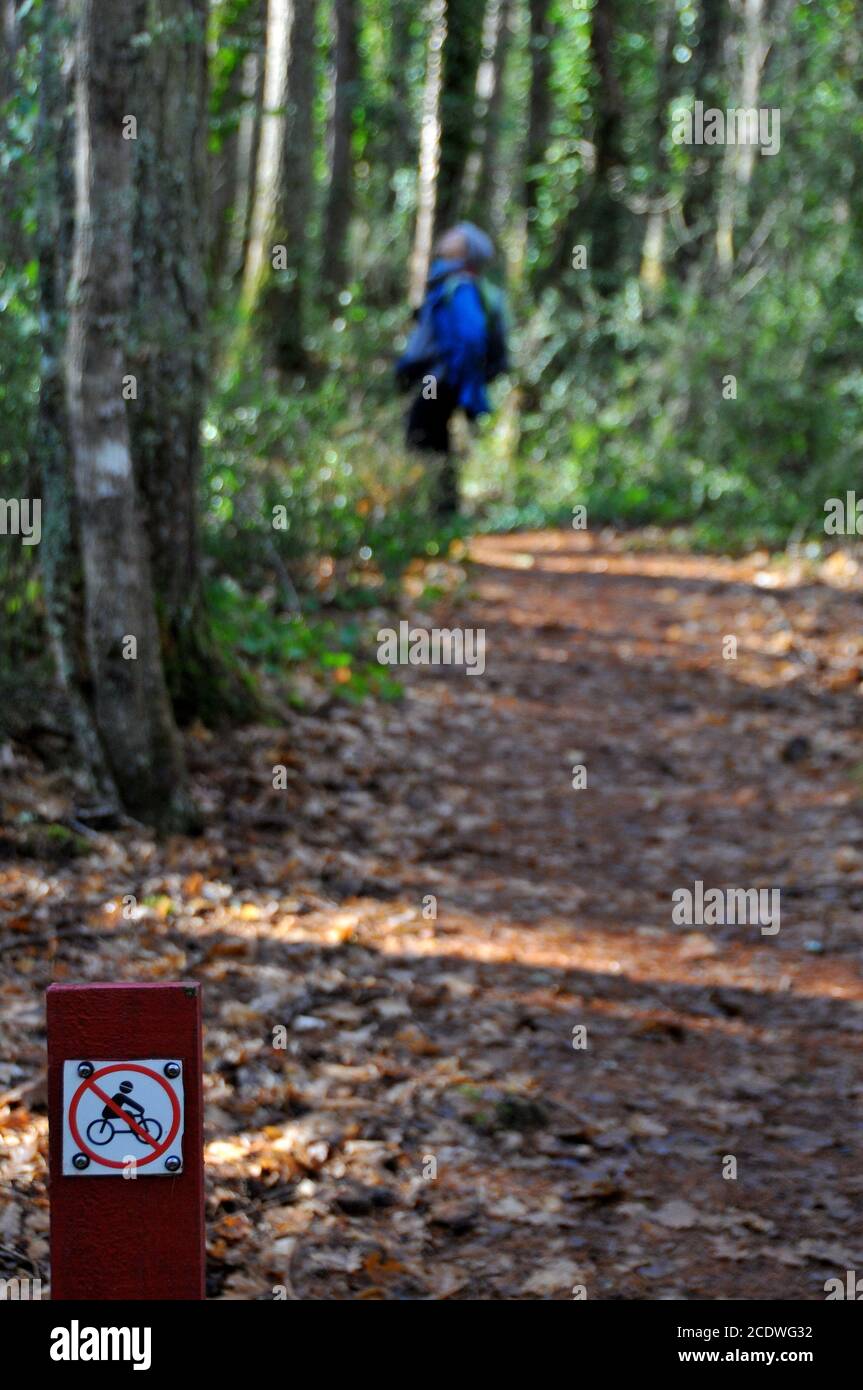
59,551
132,710
8,49
248,153
462,51
429,154
168,328
854,51
224,179
400,150
281,291
605,208
340,195
483,182
13,249
708,82
236,104
659,203
600,216
539,101
737,168
275,98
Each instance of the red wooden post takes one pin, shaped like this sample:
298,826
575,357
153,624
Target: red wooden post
115,1237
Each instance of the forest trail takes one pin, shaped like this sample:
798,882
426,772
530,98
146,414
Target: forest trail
429,1130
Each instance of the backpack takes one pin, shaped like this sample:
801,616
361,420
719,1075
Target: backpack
497,353
422,353
492,300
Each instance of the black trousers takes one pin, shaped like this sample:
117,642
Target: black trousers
428,430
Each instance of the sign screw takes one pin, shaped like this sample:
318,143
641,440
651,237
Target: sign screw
172,1069
80,1161
85,1068
172,1164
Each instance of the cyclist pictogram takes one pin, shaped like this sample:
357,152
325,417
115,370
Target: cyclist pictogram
121,1116
142,1126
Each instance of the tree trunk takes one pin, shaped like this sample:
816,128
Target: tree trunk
400,147
462,51
737,166
13,248
483,184
600,216
248,152
169,328
429,155
660,202
275,98
605,210
130,700
236,104
59,552
539,101
225,172
280,294
8,49
707,86
339,205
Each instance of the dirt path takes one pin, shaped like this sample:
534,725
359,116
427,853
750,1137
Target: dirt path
429,1129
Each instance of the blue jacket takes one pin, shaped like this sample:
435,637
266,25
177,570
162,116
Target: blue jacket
451,339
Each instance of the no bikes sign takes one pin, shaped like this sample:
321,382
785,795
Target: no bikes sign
123,1118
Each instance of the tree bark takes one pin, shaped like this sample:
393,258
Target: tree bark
429,154
659,203
737,167
168,356
59,552
13,245
248,151
483,189
131,708
8,49
707,84
236,104
462,50
600,216
340,195
539,101
280,294
225,172
275,98
605,210
400,146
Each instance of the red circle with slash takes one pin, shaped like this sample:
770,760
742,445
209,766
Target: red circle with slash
88,1084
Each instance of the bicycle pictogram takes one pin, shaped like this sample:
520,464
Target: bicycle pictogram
141,1126
117,1112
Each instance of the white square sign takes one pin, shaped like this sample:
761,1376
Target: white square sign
123,1119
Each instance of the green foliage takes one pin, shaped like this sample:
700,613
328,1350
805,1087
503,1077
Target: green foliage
327,449
635,415
623,400
274,642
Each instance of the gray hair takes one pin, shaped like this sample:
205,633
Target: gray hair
480,249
